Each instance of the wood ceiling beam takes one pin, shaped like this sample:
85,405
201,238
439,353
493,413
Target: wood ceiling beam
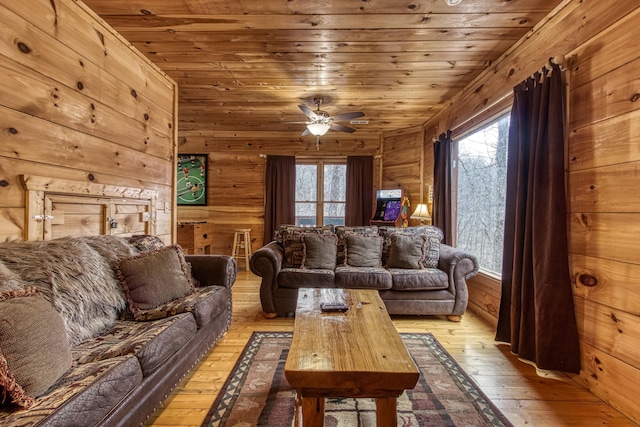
220,22
142,7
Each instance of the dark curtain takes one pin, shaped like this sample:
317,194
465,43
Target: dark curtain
536,309
442,217
280,194
359,205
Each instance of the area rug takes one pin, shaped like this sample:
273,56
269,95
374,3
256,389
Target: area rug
257,393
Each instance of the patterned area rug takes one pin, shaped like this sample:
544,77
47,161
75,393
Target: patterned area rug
257,393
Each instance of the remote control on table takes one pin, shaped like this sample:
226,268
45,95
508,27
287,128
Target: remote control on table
333,306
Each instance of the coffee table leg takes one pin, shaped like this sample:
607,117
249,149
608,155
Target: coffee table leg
386,414
312,411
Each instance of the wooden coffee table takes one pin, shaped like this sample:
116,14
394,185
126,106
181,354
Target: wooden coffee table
354,354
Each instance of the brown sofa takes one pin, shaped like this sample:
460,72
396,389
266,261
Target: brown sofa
434,284
119,353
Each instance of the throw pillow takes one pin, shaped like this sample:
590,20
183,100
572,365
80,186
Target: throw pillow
319,251
34,349
145,242
290,236
154,278
406,251
363,251
342,231
432,248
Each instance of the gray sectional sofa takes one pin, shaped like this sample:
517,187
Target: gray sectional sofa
98,330
413,271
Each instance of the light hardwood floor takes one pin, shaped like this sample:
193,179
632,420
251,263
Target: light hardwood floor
526,398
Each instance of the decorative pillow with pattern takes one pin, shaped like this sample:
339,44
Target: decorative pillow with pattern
407,251
146,242
153,278
432,249
363,251
290,237
342,231
34,348
319,251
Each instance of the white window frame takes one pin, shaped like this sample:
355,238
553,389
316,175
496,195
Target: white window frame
320,202
455,173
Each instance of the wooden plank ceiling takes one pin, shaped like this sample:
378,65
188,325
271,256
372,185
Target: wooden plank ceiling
244,66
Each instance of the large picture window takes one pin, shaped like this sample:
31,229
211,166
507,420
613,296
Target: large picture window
320,193
481,186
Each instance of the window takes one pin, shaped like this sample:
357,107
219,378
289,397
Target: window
481,189
320,193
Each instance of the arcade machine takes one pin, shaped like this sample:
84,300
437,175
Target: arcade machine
391,209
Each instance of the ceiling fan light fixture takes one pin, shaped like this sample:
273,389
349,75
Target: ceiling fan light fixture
318,129
453,2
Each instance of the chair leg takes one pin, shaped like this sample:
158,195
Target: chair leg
234,250
247,250
269,315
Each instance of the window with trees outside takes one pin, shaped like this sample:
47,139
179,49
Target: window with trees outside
481,190
320,193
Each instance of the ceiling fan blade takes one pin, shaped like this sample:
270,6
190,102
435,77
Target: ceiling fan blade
347,116
341,128
306,132
308,112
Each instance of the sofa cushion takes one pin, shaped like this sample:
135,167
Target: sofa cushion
151,342
363,278
305,278
319,251
205,303
74,278
34,349
154,278
418,280
342,231
363,251
406,251
84,396
290,237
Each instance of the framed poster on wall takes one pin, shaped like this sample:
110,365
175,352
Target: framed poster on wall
192,179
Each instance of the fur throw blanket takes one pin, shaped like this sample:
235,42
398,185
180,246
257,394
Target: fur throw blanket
75,275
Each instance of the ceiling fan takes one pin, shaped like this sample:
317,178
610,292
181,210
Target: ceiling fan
320,122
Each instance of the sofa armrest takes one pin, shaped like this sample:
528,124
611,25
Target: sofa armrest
459,266
266,262
456,261
209,270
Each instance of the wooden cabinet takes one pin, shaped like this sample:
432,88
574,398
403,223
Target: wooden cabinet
195,237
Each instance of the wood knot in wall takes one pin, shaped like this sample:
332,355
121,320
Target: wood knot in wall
588,280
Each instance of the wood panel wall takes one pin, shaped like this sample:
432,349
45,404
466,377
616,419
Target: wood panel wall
237,172
77,102
601,38
402,163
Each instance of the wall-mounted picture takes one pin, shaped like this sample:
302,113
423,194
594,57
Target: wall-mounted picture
192,179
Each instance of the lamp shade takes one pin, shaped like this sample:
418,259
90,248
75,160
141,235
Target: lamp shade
318,129
421,213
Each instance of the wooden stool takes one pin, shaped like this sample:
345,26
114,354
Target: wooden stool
242,240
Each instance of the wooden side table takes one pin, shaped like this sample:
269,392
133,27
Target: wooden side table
195,237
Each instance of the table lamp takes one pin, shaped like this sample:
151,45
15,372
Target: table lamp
421,213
